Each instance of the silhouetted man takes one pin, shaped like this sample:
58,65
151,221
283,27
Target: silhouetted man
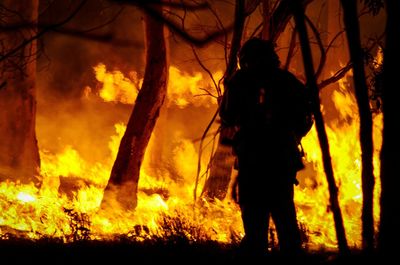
261,111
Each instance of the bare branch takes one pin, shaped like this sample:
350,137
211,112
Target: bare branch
281,16
330,44
197,41
336,77
207,71
292,46
84,34
207,93
250,7
256,30
225,33
111,20
169,4
105,38
39,34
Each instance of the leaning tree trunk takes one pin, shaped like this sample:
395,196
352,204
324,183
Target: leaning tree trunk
319,124
126,169
217,184
19,155
389,232
361,90
266,10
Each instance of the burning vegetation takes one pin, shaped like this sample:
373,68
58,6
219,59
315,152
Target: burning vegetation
66,205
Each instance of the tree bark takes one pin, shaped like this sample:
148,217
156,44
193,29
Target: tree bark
389,232
266,9
216,185
281,16
19,155
319,123
126,169
237,35
361,90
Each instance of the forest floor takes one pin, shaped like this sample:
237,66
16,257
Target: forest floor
23,251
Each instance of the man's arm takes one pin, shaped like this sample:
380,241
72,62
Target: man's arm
229,111
302,110
229,108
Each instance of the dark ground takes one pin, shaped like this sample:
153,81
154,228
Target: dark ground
21,251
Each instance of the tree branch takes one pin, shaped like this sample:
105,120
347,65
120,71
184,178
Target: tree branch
197,41
207,71
38,35
169,4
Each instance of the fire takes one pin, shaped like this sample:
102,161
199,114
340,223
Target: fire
313,198
166,191
117,87
25,197
184,90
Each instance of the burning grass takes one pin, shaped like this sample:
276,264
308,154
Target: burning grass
178,241
64,210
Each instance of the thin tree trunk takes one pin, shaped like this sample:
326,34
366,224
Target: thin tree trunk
19,155
266,30
281,16
319,123
389,232
216,185
237,35
126,169
361,89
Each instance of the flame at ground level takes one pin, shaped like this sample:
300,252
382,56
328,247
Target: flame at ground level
67,203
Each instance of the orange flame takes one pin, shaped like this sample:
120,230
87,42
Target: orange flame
183,90
45,211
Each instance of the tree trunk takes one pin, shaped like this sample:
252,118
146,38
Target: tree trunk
389,232
266,9
19,155
281,16
361,90
237,35
216,185
126,169
319,123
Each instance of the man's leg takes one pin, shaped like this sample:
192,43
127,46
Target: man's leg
255,222
284,215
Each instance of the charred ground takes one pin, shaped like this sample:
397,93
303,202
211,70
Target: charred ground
125,251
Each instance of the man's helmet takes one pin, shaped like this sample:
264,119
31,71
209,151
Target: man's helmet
257,52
